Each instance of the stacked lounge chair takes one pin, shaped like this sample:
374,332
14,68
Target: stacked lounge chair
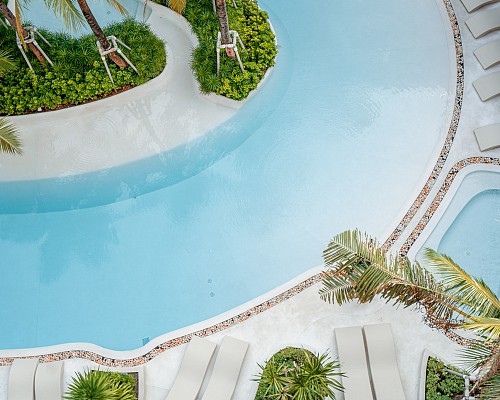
473,5
488,86
192,371
484,22
488,137
383,362
226,369
489,54
369,363
48,381
195,364
352,356
22,379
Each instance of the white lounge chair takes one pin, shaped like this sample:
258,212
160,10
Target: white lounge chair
383,362
488,137
484,22
226,369
48,381
192,371
353,362
473,5
489,54
488,86
22,379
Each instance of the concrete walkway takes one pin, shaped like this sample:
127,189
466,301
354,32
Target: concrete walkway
161,114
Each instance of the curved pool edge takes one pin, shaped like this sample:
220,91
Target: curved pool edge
443,198
258,305
457,48
141,355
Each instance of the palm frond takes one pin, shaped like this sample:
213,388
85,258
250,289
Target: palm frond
19,22
178,5
9,142
473,357
477,298
487,327
68,11
118,6
6,63
361,269
491,389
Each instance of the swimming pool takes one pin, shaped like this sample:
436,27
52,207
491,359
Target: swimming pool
335,139
469,230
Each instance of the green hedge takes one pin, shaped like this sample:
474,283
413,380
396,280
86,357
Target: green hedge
440,384
254,29
78,75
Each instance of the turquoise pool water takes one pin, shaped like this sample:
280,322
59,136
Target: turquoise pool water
42,17
469,229
339,137
473,239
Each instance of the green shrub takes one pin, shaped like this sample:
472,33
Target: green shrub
297,374
78,75
101,385
255,32
440,384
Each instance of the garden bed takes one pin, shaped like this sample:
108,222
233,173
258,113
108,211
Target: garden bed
254,28
441,384
78,75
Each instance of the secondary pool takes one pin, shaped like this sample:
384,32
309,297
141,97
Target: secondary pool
340,136
469,230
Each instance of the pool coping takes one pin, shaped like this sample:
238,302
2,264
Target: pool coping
161,344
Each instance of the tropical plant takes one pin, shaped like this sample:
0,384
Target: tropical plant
359,269
9,141
298,374
100,385
441,384
72,17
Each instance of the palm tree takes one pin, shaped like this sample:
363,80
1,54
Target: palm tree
15,22
97,31
220,6
359,269
9,141
72,18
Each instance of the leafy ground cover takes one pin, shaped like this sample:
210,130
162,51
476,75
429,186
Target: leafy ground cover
78,75
252,25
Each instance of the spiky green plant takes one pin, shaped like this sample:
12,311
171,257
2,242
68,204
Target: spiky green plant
315,379
297,374
99,385
359,269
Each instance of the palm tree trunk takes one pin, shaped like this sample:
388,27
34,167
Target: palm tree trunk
99,34
220,6
11,19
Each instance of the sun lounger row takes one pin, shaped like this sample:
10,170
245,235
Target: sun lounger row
29,380
473,5
368,359
484,22
195,364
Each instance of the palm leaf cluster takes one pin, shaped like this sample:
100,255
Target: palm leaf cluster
9,140
100,385
359,269
311,378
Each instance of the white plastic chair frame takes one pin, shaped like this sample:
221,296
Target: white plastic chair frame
114,48
233,45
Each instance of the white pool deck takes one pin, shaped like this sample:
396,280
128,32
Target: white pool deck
304,320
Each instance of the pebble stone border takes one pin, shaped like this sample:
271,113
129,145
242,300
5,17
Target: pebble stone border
132,362
405,248
422,196
111,362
